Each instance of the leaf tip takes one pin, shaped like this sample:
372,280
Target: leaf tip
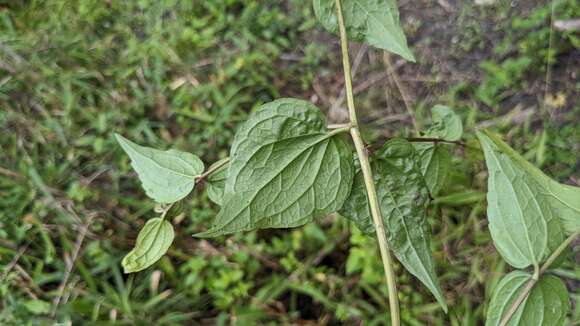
211,233
444,306
410,57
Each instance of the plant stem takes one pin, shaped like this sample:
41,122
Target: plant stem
212,170
435,140
333,126
379,227
558,252
535,278
368,175
166,210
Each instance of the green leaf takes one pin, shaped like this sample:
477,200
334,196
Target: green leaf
435,158
565,200
546,305
167,176
523,222
374,21
464,198
435,161
152,243
216,182
285,170
37,307
447,124
403,198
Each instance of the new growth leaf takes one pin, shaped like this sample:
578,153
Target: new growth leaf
152,243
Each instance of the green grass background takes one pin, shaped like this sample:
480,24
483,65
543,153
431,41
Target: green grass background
185,74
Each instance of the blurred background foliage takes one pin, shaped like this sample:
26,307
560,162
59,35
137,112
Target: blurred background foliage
184,74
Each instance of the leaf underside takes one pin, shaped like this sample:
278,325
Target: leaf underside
403,198
216,183
374,21
546,305
152,243
523,206
285,170
166,176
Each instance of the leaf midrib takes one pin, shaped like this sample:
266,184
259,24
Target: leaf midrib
368,13
529,243
159,165
299,153
145,252
390,193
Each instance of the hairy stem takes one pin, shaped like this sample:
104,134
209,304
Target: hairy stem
368,175
537,273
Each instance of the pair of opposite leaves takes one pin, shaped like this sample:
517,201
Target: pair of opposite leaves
529,215
286,169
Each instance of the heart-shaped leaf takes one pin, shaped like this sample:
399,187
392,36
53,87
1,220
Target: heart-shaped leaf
167,176
285,170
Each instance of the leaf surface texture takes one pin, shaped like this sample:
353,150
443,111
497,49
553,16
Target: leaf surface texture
216,183
152,243
403,198
546,305
523,219
285,170
373,21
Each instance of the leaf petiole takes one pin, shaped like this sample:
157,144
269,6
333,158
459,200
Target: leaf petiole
339,126
212,169
166,210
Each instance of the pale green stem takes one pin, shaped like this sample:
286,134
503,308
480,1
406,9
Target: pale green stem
537,273
368,175
166,210
558,252
212,170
